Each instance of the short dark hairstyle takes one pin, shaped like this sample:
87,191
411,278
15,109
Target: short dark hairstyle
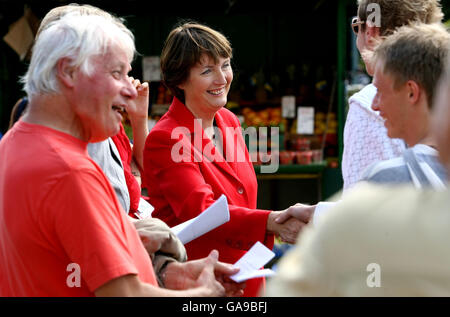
183,49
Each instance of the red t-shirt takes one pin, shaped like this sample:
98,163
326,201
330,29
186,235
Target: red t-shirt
57,208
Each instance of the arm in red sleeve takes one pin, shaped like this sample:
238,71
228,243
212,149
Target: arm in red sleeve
183,189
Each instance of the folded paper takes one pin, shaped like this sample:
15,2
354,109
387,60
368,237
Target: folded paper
214,216
250,264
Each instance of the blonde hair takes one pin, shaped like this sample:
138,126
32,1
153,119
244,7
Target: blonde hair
416,52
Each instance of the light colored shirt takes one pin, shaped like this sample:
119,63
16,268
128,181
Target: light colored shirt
378,241
106,155
398,171
365,137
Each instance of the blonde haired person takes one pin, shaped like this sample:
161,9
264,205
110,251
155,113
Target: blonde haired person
365,137
385,240
407,66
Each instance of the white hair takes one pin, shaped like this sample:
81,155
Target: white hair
78,38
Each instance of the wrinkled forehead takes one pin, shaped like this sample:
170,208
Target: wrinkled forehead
116,55
113,57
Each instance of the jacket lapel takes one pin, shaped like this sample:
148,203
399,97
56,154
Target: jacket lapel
202,146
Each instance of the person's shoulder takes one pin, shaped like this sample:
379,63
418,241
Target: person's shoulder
164,125
64,166
75,163
367,203
363,201
166,132
56,150
364,98
167,120
382,167
368,92
423,149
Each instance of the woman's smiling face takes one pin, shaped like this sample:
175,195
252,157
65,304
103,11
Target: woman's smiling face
208,84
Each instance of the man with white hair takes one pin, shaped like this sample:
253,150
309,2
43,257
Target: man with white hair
62,229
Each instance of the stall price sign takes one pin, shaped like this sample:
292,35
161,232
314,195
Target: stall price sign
150,67
288,107
305,120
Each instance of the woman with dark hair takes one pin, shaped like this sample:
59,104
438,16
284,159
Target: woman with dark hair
196,67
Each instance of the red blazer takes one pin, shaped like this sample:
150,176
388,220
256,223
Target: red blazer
180,191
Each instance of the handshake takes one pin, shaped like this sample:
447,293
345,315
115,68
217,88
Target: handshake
208,276
288,223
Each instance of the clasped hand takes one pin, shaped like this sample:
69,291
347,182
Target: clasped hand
288,223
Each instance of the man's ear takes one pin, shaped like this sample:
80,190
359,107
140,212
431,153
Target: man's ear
413,90
65,71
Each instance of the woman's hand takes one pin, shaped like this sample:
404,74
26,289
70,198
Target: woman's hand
304,213
288,223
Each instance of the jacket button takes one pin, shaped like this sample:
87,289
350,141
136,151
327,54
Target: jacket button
240,190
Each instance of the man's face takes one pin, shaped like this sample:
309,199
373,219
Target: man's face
98,99
391,103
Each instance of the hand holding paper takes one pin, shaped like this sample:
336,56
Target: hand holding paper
250,264
214,216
